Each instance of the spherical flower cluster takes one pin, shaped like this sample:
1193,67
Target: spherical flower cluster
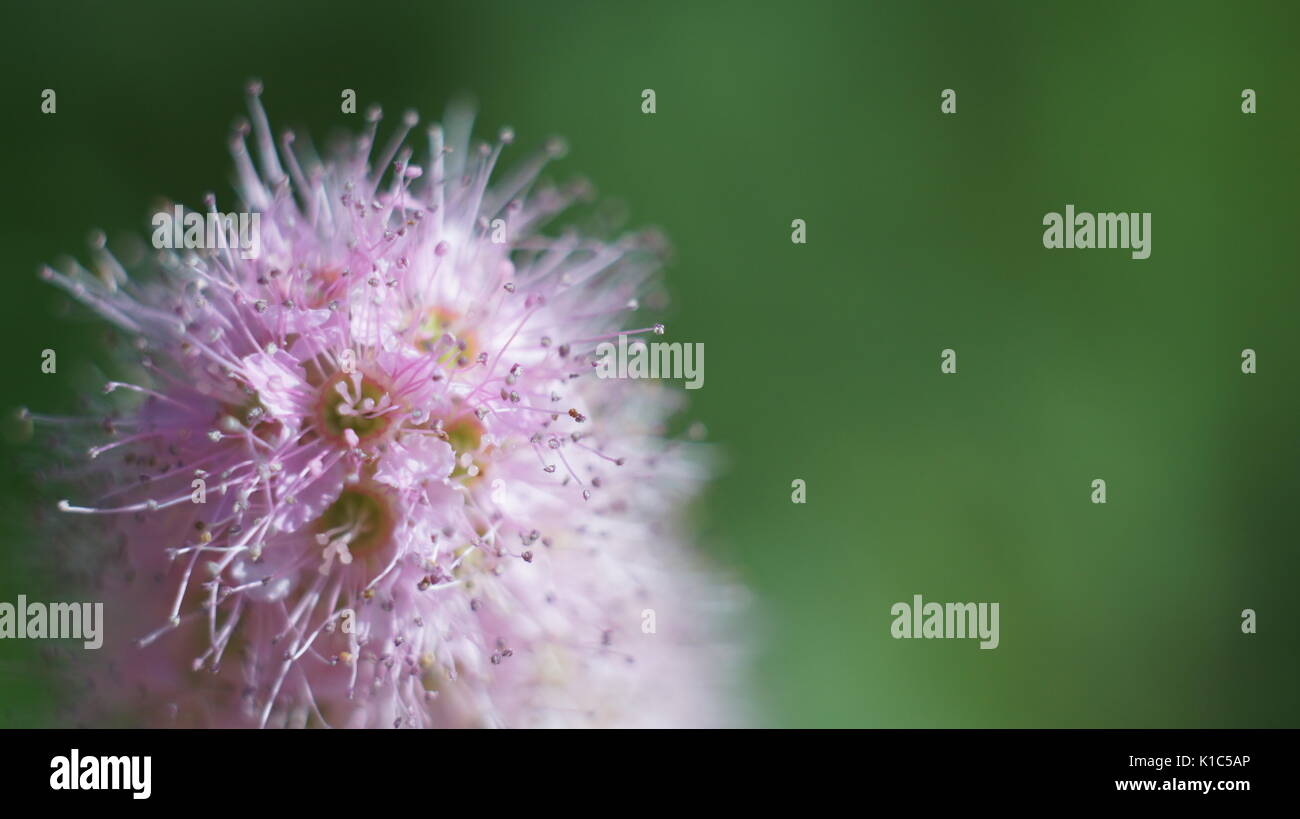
368,478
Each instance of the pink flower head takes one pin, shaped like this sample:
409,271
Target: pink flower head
368,478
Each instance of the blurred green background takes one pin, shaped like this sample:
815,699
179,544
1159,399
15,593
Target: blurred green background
924,233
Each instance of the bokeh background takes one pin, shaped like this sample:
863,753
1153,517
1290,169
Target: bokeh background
924,233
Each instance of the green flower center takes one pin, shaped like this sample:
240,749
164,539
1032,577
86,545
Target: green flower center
464,435
356,402
435,323
355,529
